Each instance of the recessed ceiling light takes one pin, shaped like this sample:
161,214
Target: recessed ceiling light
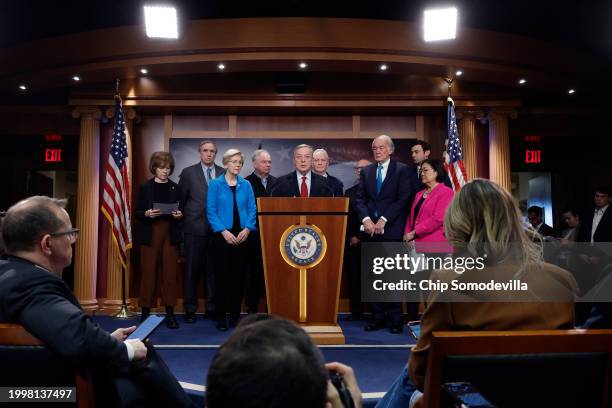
571,91
459,72
522,81
23,87
144,71
221,67
383,67
161,22
303,65
440,24
76,78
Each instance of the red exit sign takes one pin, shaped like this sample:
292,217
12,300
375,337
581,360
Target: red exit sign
53,155
53,137
533,156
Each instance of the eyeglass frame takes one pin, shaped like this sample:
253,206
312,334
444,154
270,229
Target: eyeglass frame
72,231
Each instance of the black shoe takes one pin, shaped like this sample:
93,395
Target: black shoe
144,314
233,321
210,315
396,328
354,317
373,326
171,322
190,317
222,325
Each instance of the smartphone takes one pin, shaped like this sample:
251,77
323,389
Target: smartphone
465,395
414,328
146,328
345,395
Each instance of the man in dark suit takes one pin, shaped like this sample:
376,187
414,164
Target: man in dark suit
382,202
352,252
302,182
420,152
38,236
535,215
193,183
320,164
262,182
597,225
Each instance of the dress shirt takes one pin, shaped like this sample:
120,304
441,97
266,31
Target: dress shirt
212,172
299,180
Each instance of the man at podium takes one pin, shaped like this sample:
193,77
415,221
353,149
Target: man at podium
385,188
302,182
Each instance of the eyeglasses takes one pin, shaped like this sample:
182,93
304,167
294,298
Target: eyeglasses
73,234
236,162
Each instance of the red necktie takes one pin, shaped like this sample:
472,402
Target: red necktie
304,188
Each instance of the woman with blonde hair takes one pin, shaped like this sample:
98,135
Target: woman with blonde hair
483,223
231,213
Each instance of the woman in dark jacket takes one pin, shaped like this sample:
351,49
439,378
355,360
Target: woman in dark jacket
159,236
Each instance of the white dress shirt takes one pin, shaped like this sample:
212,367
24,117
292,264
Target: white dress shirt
299,180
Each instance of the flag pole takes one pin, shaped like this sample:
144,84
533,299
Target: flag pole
124,312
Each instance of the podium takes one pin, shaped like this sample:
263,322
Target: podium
302,241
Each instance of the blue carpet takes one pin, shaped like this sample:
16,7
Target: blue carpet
376,367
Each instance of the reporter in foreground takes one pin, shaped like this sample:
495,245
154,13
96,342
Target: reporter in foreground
38,236
231,213
273,363
484,219
159,237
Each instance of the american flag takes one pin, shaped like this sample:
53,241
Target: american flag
453,158
116,196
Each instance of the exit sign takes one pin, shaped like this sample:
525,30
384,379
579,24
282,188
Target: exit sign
533,156
53,155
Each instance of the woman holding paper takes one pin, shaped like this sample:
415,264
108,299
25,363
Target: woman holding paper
159,216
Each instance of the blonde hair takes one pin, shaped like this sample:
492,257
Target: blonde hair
483,218
231,153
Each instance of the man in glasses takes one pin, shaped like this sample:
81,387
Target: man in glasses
38,236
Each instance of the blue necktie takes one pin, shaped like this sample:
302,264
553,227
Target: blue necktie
209,174
379,182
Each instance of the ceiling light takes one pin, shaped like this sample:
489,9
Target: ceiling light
23,87
440,24
303,65
383,67
161,22
221,67
144,71
459,72
76,78
571,91
522,81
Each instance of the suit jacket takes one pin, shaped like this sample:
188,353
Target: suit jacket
429,225
335,185
194,190
546,231
444,315
353,222
391,203
603,233
258,189
42,303
144,201
220,208
287,186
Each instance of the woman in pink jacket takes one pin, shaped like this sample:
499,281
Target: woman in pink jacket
425,224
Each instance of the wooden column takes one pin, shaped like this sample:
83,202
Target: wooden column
88,207
113,288
467,135
499,146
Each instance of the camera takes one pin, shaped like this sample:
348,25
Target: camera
345,395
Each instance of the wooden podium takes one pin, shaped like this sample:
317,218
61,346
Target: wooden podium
302,241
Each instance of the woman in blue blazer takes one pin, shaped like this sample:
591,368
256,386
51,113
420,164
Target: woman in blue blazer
231,213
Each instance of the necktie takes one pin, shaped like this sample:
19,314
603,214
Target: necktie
379,179
303,188
208,174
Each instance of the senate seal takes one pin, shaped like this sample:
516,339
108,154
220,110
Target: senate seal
303,246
